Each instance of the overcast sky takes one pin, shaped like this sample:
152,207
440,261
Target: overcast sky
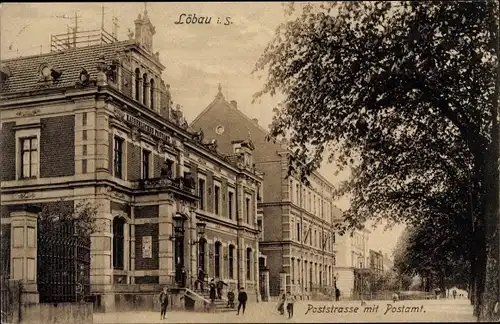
197,57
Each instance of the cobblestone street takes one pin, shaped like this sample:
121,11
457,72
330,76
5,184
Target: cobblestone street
429,311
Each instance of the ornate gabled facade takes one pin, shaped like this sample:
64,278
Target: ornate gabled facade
97,123
298,245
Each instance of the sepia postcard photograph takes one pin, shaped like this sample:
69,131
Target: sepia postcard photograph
249,162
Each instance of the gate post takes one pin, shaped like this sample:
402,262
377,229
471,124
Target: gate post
23,251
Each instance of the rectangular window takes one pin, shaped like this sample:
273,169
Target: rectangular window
84,150
201,192
231,261
297,198
249,255
145,163
291,190
118,157
298,232
84,119
84,135
230,205
84,166
217,199
247,210
29,157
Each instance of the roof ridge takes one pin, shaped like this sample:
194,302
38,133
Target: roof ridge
123,42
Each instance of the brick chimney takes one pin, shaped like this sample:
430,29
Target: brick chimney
255,120
234,103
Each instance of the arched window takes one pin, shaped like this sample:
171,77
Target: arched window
137,83
118,242
218,248
201,253
152,94
249,256
231,260
144,88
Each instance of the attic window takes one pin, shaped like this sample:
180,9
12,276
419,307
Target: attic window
45,72
48,73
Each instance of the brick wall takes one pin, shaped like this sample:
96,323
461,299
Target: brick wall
57,146
5,250
146,211
158,163
146,263
8,152
273,224
133,162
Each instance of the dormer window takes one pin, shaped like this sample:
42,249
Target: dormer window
45,72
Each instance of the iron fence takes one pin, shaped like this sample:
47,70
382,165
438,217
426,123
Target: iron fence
63,266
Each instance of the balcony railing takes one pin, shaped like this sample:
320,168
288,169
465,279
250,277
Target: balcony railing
182,185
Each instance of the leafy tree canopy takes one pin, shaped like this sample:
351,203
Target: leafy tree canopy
398,91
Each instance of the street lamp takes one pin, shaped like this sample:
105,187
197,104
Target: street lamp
200,226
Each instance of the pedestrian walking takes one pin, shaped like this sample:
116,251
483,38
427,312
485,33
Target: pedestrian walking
395,297
242,299
289,300
219,284
281,304
212,292
230,298
163,299
337,294
454,294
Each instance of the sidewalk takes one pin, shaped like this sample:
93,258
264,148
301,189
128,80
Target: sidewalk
433,311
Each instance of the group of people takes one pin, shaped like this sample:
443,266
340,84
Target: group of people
286,301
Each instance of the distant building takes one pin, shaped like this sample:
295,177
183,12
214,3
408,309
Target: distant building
97,122
298,244
376,262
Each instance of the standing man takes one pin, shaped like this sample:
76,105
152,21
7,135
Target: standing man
337,294
163,299
242,299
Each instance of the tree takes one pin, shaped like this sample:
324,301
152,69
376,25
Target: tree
404,94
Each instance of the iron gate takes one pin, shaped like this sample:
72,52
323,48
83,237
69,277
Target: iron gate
63,273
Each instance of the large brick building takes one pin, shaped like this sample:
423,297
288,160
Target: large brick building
96,123
298,243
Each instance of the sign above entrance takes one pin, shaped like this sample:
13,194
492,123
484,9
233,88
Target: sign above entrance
146,127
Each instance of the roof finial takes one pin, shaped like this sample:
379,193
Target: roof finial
219,94
145,8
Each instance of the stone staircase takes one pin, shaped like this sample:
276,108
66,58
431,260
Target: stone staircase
220,305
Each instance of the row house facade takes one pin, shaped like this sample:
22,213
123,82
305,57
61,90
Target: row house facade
297,243
97,123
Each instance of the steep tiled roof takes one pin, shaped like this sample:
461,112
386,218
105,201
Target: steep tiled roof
25,70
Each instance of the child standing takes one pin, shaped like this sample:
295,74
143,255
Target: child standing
163,299
289,300
230,298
